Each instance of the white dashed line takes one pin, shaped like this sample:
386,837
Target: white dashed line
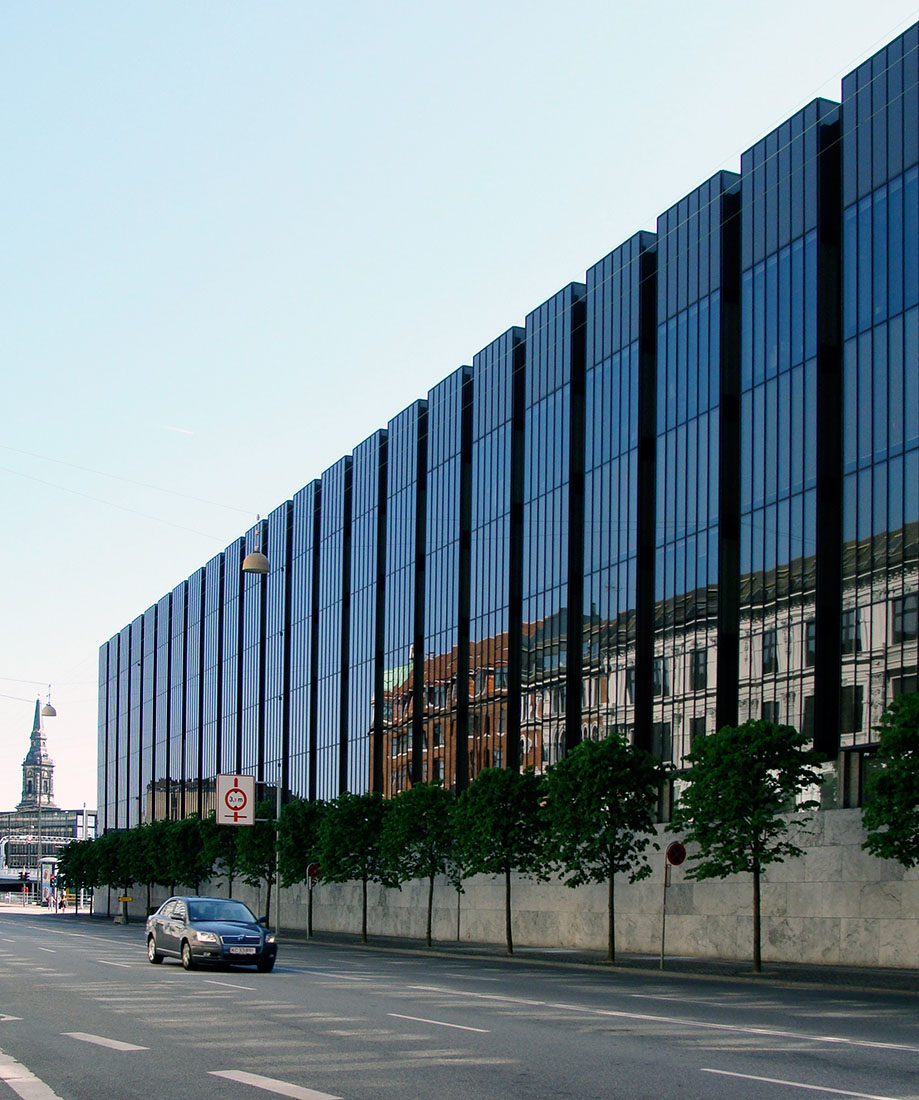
101,1041
270,1084
799,1085
438,1023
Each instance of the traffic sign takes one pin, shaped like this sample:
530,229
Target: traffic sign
313,870
235,799
676,853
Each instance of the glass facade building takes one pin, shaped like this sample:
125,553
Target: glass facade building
685,493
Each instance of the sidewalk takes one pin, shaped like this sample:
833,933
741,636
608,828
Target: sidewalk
847,979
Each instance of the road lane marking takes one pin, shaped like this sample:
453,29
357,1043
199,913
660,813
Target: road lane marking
681,1021
23,1082
50,950
5,1019
108,962
229,985
270,1084
799,1085
101,1041
438,1023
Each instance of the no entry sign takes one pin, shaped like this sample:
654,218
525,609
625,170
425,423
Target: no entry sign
235,799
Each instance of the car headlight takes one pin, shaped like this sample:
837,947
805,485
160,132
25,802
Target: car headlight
269,938
207,937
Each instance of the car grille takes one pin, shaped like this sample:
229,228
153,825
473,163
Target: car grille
253,941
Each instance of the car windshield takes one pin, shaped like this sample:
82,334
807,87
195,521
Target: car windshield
219,910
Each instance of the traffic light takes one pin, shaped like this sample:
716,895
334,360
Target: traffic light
51,882
23,876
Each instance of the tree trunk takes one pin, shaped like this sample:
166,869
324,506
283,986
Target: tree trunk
268,901
757,958
364,910
611,919
430,908
507,910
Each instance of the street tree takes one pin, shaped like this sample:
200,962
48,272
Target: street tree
599,804
299,843
350,843
891,810
745,787
191,856
498,830
417,840
223,841
257,847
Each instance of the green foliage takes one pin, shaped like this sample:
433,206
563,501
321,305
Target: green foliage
223,845
599,805
190,855
742,781
498,830
350,839
417,838
78,865
498,826
299,839
112,856
256,845
891,811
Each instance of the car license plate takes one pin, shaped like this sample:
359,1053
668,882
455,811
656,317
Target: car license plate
242,950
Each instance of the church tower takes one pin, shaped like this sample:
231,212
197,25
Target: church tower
37,771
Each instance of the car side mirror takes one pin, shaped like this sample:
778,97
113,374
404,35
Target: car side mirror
264,920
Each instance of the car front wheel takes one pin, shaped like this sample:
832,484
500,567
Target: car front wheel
188,960
152,954
265,966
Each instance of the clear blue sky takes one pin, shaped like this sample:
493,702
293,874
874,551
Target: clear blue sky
239,237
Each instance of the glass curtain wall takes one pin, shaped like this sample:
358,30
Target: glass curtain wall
365,677
148,714
304,617
231,659
619,421
123,736
695,587
446,588
277,647
787,179
880,545
133,807
162,699
176,714
252,663
552,550
495,576
403,634
194,651
102,775
334,621
211,682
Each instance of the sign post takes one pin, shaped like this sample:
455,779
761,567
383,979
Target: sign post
676,853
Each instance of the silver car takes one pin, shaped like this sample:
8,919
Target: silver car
209,930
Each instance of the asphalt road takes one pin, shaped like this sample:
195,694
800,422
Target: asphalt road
84,1016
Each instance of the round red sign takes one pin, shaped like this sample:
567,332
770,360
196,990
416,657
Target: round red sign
676,853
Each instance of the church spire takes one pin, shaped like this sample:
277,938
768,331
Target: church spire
37,770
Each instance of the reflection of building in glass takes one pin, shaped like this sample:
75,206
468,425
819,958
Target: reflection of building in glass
685,493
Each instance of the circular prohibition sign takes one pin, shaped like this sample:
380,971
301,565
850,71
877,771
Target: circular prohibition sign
235,799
